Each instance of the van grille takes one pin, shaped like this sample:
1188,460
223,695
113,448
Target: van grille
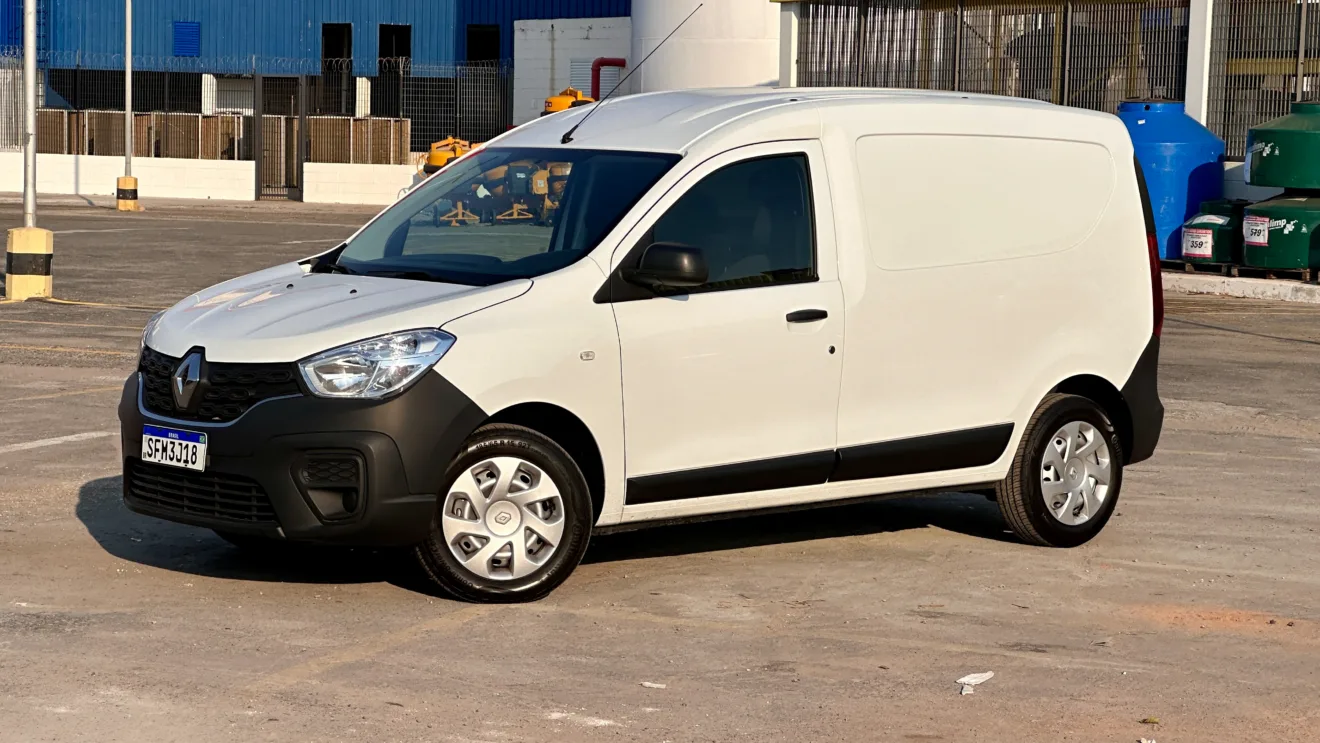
208,495
228,392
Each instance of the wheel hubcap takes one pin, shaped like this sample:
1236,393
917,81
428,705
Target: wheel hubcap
1075,473
503,518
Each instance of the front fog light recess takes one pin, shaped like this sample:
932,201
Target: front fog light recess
377,367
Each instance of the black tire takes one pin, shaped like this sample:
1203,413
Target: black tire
1020,496
496,440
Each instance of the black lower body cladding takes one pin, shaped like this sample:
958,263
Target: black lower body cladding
1141,393
387,457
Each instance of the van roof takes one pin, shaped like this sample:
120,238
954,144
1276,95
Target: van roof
672,121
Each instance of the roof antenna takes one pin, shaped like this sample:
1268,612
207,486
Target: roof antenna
568,135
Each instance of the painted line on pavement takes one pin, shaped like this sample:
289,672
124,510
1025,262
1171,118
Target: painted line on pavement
65,349
55,395
312,668
121,229
10,449
77,303
72,324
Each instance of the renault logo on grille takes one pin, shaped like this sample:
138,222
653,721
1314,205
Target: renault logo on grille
187,378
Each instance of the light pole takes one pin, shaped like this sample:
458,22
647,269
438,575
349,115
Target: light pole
30,113
126,191
29,249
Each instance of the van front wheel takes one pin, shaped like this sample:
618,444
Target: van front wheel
1064,482
513,520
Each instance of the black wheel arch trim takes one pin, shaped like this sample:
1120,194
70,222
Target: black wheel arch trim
1146,411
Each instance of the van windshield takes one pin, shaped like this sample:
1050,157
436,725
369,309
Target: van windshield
501,214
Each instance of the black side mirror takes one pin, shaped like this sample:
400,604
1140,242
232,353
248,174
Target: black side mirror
669,265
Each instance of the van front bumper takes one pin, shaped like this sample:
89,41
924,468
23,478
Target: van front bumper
304,468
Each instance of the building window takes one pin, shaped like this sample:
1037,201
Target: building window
336,41
187,39
483,43
395,41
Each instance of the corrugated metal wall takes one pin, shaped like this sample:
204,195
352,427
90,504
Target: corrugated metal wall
504,12
11,22
238,30
285,33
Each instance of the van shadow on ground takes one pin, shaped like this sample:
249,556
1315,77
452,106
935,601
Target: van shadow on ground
184,549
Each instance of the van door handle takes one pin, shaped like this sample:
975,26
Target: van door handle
807,316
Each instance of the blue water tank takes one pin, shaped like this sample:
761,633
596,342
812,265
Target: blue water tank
1183,163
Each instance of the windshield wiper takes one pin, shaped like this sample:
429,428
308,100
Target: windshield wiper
414,275
418,275
329,263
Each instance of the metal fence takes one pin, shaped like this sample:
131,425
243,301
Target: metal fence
1087,54
188,108
1264,54
11,99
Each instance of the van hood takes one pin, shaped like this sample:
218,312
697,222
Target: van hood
285,314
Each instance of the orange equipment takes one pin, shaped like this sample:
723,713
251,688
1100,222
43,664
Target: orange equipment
459,215
444,152
556,180
519,185
567,98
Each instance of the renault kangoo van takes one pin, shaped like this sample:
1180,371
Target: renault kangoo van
689,304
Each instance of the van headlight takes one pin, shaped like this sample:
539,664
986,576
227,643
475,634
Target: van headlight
375,368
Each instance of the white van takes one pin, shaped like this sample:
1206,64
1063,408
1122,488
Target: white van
695,304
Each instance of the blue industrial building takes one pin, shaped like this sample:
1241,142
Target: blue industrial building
285,36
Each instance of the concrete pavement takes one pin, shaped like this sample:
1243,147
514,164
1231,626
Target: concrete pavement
1199,606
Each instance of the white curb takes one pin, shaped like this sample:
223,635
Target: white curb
1229,286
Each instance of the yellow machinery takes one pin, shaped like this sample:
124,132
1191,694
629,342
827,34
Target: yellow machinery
444,152
458,215
567,98
519,186
550,183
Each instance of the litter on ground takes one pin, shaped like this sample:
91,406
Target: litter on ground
970,681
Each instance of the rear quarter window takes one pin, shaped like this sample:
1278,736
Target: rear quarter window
942,200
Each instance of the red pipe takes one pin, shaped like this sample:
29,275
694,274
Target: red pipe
596,66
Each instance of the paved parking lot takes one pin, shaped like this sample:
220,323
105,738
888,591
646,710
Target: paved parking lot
1198,610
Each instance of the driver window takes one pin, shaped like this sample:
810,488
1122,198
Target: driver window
752,221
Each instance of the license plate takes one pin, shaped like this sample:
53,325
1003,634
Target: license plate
1198,243
1256,231
174,448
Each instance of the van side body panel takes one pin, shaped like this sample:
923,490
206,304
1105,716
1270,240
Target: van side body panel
959,341
554,346
952,355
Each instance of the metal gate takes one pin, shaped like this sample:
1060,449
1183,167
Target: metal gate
1265,54
1090,54
281,107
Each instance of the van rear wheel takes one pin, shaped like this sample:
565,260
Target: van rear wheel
513,520
1064,483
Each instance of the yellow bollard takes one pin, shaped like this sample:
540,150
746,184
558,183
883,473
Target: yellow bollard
28,255
127,194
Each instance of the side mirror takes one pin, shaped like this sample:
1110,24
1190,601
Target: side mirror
669,265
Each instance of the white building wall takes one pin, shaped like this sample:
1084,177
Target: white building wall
544,52
234,95
1236,186
158,177
329,183
727,43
